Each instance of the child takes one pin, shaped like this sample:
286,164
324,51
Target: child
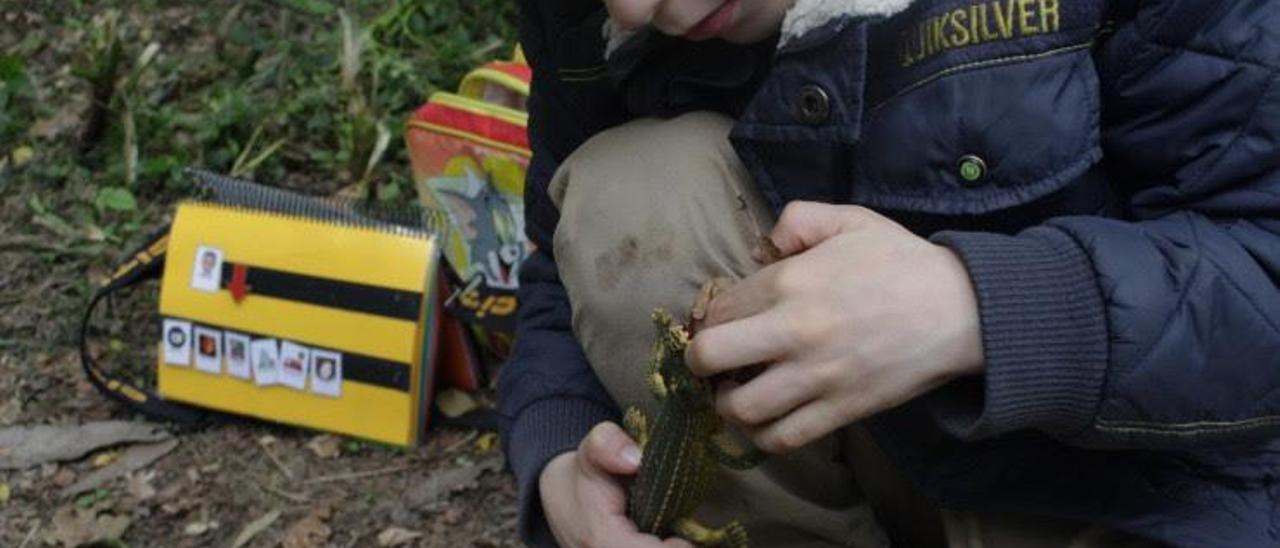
1051,318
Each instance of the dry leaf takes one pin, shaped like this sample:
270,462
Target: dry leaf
10,411
54,126
309,531
133,459
486,443
455,403
325,446
452,516
73,526
396,536
64,477
105,458
199,528
444,483
139,485
171,491
255,527
179,506
22,155
5,491
24,447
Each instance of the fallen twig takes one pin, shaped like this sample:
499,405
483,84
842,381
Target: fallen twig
133,459
276,460
470,437
30,535
255,527
291,497
30,243
360,475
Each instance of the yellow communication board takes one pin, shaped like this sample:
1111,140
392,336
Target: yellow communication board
301,321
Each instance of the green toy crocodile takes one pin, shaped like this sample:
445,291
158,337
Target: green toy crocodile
682,446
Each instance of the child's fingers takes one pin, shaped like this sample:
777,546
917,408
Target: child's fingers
755,339
804,225
751,296
799,428
779,390
609,449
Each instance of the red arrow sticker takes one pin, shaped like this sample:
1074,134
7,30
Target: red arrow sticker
238,288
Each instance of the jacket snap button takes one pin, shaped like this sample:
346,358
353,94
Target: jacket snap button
973,169
813,106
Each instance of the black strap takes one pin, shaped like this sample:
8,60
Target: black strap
144,263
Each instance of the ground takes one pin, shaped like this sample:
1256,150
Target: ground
102,104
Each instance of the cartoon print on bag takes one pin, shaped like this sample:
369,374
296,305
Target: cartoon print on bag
485,207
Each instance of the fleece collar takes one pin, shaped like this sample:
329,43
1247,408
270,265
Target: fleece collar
806,15
802,17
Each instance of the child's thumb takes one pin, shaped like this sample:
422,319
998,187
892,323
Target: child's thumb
806,224
609,449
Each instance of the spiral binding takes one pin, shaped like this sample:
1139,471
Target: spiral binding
402,219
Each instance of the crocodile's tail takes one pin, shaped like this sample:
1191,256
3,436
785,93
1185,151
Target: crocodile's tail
735,536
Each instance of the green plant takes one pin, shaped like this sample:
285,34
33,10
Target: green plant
293,92
16,96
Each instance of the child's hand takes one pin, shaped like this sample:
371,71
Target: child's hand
861,316
583,500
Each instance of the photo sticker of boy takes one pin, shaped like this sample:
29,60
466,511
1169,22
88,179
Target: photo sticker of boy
177,342
326,373
208,350
265,355
294,365
206,274
236,347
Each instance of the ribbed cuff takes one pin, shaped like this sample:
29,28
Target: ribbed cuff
1044,334
544,430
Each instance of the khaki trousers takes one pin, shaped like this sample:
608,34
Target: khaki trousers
649,212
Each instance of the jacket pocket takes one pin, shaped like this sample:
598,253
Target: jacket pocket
978,138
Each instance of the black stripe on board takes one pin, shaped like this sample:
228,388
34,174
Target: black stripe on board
355,367
329,293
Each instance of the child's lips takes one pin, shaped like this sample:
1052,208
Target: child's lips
714,23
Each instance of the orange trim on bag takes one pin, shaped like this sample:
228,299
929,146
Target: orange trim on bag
476,138
473,84
478,108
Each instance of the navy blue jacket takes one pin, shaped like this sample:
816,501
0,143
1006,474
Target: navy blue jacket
1108,171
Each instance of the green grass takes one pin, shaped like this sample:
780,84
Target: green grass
252,87
104,103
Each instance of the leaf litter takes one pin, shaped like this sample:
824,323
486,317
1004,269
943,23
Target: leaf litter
256,527
26,446
197,101
133,459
